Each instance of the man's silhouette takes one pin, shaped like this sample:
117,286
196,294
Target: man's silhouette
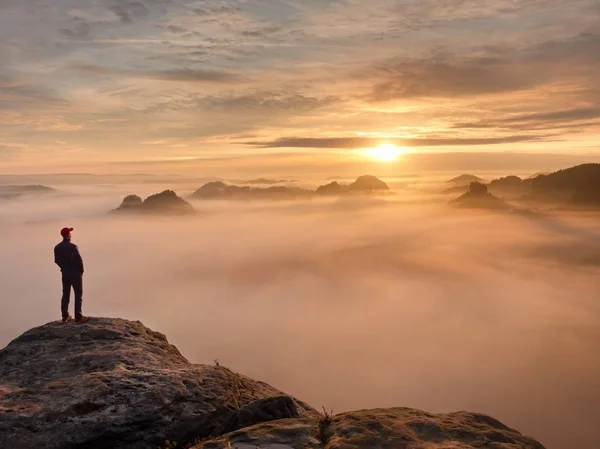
67,257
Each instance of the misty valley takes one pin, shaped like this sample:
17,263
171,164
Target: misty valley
438,293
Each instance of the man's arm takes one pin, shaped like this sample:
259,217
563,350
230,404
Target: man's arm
77,258
56,258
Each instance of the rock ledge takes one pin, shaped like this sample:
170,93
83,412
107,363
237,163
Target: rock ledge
116,384
113,383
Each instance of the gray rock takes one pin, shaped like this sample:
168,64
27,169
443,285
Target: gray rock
395,428
113,383
263,410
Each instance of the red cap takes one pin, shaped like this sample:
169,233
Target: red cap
65,231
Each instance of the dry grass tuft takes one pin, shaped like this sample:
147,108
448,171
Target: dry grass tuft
325,421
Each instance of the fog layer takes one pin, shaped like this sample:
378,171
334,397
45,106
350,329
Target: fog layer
346,304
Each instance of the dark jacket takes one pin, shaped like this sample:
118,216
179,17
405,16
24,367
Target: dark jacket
67,257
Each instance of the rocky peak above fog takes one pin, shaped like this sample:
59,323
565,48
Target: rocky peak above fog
165,203
363,184
368,183
478,197
464,180
219,190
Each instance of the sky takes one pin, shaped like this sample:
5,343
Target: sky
151,85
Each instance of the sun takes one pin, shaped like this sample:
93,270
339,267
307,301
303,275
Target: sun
386,152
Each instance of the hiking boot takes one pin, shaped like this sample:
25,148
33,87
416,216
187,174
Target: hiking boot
83,319
67,319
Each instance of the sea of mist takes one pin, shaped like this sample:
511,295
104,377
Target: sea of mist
345,303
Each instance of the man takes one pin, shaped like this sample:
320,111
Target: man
67,257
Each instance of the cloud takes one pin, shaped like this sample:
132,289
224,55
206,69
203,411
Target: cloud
180,75
21,94
318,68
366,142
453,75
583,118
262,32
196,75
8,152
268,106
267,102
34,118
446,78
566,115
4,149
79,31
176,29
128,11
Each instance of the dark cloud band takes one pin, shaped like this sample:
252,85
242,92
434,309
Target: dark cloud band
366,142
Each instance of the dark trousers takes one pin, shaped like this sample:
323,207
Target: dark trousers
75,281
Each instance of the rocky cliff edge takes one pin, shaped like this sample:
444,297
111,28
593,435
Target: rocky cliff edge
113,383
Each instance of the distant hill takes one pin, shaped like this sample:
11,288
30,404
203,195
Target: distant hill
266,181
333,188
579,185
131,202
363,184
510,186
478,197
221,190
456,189
535,175
15,191
368,183
508,181
465,180
507,186
164,203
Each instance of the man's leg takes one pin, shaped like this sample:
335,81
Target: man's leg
77,282
66,293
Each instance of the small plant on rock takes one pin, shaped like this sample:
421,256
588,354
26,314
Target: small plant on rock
325,420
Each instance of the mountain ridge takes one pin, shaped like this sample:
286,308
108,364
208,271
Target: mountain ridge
366,184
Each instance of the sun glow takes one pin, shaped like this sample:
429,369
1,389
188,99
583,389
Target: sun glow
386,152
